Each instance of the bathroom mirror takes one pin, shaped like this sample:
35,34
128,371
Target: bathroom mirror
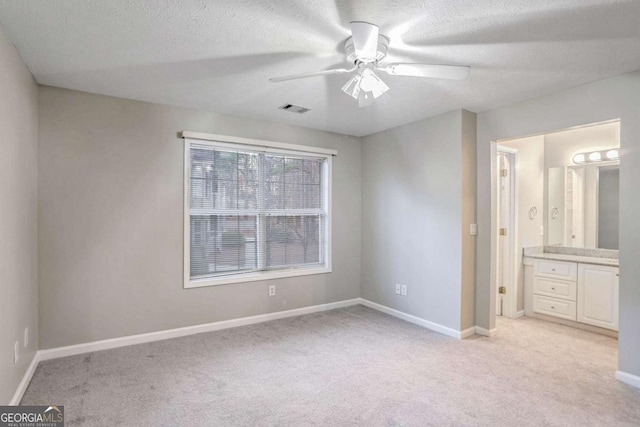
582,206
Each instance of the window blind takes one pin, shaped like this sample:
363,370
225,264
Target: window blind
254,210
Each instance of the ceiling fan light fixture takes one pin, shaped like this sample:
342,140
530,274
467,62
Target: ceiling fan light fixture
365,99
372,83
352,87
365,87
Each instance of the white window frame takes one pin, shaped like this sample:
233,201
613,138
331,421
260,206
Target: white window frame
224,141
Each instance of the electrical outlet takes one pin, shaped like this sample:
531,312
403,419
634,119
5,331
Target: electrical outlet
272,290
16,349
542,230
473,229
398,288
26,337
404,290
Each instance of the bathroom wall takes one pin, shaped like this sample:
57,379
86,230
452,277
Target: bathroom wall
560,147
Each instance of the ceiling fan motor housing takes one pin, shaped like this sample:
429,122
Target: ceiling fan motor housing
383,44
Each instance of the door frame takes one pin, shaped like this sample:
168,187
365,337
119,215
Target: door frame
510,301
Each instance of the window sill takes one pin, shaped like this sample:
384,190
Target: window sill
253,277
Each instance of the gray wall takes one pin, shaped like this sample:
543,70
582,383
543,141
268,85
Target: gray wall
596,102
469,135
110,220
413,216
18,221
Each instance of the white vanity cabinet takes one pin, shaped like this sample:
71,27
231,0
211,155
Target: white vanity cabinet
579,292
598,295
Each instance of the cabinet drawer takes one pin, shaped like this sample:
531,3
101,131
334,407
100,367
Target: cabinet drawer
555,288
556,269
554,307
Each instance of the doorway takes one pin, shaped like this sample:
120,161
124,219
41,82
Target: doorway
552,194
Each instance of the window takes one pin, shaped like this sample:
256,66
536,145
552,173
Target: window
254,212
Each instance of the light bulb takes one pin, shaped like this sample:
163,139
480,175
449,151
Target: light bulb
596,156
372,83
365,99
368,81
579,158
612,154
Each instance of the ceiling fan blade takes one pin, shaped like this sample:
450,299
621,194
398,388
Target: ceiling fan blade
317,73
365,40
452,72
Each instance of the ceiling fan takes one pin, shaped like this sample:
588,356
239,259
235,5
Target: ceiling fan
366,48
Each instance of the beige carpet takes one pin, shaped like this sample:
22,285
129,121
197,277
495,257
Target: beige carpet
351,366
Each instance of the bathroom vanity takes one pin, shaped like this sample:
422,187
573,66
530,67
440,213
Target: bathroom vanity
576,288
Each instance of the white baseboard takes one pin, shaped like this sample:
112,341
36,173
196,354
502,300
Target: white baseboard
518,314
417,320
26,379
486,332
54,353
466,333
629,379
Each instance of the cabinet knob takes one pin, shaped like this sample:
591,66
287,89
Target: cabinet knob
553,289
553,308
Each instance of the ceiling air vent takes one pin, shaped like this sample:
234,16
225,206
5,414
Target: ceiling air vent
294,108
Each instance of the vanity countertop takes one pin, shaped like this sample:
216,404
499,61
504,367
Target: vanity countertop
576,258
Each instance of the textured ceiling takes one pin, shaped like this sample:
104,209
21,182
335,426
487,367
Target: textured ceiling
218,55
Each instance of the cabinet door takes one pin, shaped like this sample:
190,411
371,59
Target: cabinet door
598,295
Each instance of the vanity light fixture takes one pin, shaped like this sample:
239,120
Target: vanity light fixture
596,156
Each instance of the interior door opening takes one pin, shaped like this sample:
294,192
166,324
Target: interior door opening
555,230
